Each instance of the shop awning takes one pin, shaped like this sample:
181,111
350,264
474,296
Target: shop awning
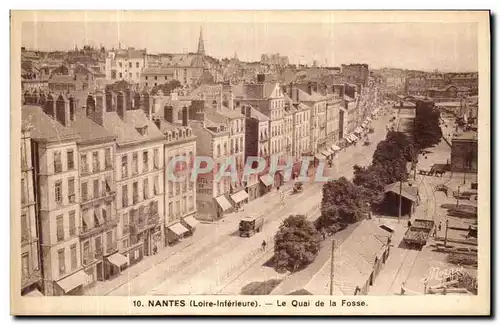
72,281
335,148
223,203
348,138
358,130
117,260
191,221
325,153
354,138
266,180
319,156
34,293
178,229
240,196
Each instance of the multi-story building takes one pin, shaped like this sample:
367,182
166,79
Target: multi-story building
269,99
355,73
256,145
334,103
140,169
179,196
317,104
99,221
56,180
152,77
212,141
126,64
30,263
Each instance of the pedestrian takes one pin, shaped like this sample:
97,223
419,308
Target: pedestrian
155,250
439,226
264,245
324,235
277,188
409,223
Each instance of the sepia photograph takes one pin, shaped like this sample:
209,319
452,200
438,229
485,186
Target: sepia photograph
250,163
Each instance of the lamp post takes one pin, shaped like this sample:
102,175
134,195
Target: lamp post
446,233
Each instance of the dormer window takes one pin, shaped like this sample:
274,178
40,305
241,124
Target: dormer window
183,133
142,130
169,136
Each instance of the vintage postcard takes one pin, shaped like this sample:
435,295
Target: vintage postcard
250,163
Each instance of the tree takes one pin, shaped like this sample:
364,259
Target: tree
372,179
167,87
403,142
426,130
296,243
391,160
343,203
120,85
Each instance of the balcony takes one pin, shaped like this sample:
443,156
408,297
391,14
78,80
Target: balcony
85,232
104,195
150,221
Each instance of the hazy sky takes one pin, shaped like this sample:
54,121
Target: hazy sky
427,46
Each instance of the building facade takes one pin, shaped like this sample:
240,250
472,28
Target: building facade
126,64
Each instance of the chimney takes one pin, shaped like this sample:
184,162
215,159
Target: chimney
243,110
120,104
128,99
184,116
169,114
62,110
50,105
72,108
231,100
110,101
310,89
197,111
248,111
137,100
100,107
297,99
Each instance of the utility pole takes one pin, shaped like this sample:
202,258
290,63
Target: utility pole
400,199
331,267
446,233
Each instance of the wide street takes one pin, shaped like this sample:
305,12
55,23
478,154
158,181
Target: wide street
200,268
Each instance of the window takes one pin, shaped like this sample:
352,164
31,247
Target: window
24,228
137,75
71,190
177,188
71,161
157,185
130,64
165,77
190,203
62,262
125,243
109,240
72,223
73,257
130,75
83,164
60,227
146,78
124,196
137,64
120,65
121,75
184,205
135,167
124,166
218,150
86,252
135,192
145,166
95,161
23,192
145,188
170,188
184,185
57,162
84,191
58,192
107,159
96,188
25,265
156,77
170,210
106,212
98,245
177,208
156,159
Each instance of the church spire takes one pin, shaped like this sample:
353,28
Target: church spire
201,46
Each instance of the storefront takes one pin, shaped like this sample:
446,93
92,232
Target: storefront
239,198
72,285
134,253
223,205
252,189
190,223
115,264
176,233
266,183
